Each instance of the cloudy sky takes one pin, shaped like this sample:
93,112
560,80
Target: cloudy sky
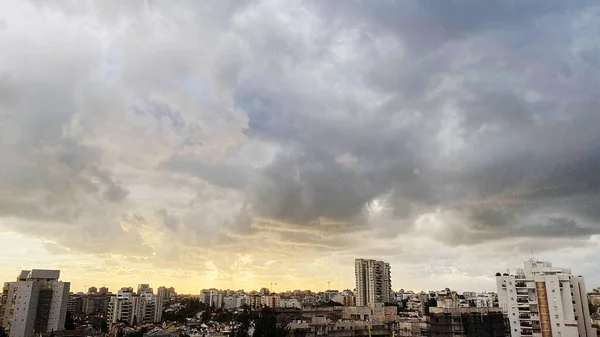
237,144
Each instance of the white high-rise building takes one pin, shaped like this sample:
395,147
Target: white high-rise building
131,308
373,282
122,307
545,301
34,304
212,297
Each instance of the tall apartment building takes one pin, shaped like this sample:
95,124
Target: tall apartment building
166,293
131,308
212,297
34,304
122,307
144,287
373,282
546,301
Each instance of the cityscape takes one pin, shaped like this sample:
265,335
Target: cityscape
537,299
300,168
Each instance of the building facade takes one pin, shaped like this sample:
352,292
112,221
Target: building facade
546,301
466,322
132,309
373,282
36,303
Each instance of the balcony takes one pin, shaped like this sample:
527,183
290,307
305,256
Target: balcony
520,284
526,333
524,316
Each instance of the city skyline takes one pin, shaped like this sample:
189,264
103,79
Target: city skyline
235,144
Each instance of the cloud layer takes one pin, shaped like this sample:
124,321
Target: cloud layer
268,139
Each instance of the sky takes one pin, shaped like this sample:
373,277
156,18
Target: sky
239,144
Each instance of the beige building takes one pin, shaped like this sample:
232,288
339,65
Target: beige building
36,303
373,282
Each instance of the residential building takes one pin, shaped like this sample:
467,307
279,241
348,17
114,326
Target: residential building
270,301
289,303
542,300
103,291
144,287
122,307
95,304
132,308
36,303
149,308
163,293
485,300
92,290
212,297
373,282
466,322
75,304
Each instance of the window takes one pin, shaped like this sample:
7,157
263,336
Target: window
553,290
555,316
557,324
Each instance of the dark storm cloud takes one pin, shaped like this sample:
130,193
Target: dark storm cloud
330,116
514,149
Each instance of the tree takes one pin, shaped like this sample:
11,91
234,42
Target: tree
244,320
266,325
69,321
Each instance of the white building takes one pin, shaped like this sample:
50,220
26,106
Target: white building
150,308
212,297
484,300
546,301
132,309
122,307
35,303
290,303
373,282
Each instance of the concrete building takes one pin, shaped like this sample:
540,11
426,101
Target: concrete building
133,309
144,287
122,307
103,291
289,303
212,297
272,301
95,304
466,322
485,300
373,282
92,290
75,304
149,308
36,303
542,300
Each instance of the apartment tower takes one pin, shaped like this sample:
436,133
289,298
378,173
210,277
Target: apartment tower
373,282
545,301
36,303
